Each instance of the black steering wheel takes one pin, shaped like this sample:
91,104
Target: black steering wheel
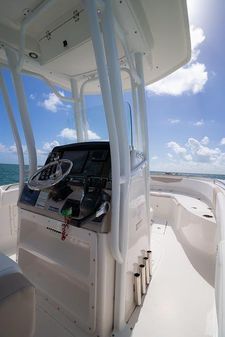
50,174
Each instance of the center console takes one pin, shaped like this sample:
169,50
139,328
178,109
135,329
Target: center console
84,193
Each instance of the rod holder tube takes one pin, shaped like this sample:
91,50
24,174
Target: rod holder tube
149,255
143,278
137,288
147,271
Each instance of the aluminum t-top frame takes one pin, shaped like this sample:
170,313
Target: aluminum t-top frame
109,76
108,67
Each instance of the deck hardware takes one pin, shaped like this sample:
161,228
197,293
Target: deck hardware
76,15
143,278
26,11
147,270
48,35
207,216
33,55
137,288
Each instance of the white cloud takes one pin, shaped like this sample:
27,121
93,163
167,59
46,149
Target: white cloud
71,134
197,37
176,148
205,140
180,151
202,153
53,103
32,96
188,79
2,148
173,121
92,135
197,152
199,123
222,142
13,149
154,158
49,146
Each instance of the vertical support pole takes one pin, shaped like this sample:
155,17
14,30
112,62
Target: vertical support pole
124,151
110,119
112,58
77,110
116,86
144,132
14,131
83,112
135,114
25,118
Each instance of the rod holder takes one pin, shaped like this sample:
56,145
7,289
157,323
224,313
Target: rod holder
143,278
137,288
149,255
147,271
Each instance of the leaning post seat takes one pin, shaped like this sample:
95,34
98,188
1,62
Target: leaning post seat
17,301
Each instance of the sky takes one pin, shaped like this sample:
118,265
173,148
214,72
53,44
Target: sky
186,110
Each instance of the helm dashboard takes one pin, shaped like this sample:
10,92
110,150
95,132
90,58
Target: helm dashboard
85,192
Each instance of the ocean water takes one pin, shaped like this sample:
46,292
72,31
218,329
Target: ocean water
9,174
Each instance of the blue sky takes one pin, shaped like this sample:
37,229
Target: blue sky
186,110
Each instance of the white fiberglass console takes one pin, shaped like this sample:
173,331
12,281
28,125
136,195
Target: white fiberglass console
64,245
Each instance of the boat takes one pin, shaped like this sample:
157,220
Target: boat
92,244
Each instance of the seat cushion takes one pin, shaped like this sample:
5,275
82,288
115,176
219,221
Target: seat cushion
17,301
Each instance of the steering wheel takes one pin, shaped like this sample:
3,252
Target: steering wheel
50,174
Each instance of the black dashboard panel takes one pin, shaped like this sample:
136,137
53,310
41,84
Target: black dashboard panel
90,159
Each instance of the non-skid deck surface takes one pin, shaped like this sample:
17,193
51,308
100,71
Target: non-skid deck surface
179,302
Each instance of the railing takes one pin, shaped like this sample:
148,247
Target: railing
220,183
8,187
220,262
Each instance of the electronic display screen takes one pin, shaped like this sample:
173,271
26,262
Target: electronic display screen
78,158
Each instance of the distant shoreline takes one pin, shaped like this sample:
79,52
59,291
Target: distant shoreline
9,174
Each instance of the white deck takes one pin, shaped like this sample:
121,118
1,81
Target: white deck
179,303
